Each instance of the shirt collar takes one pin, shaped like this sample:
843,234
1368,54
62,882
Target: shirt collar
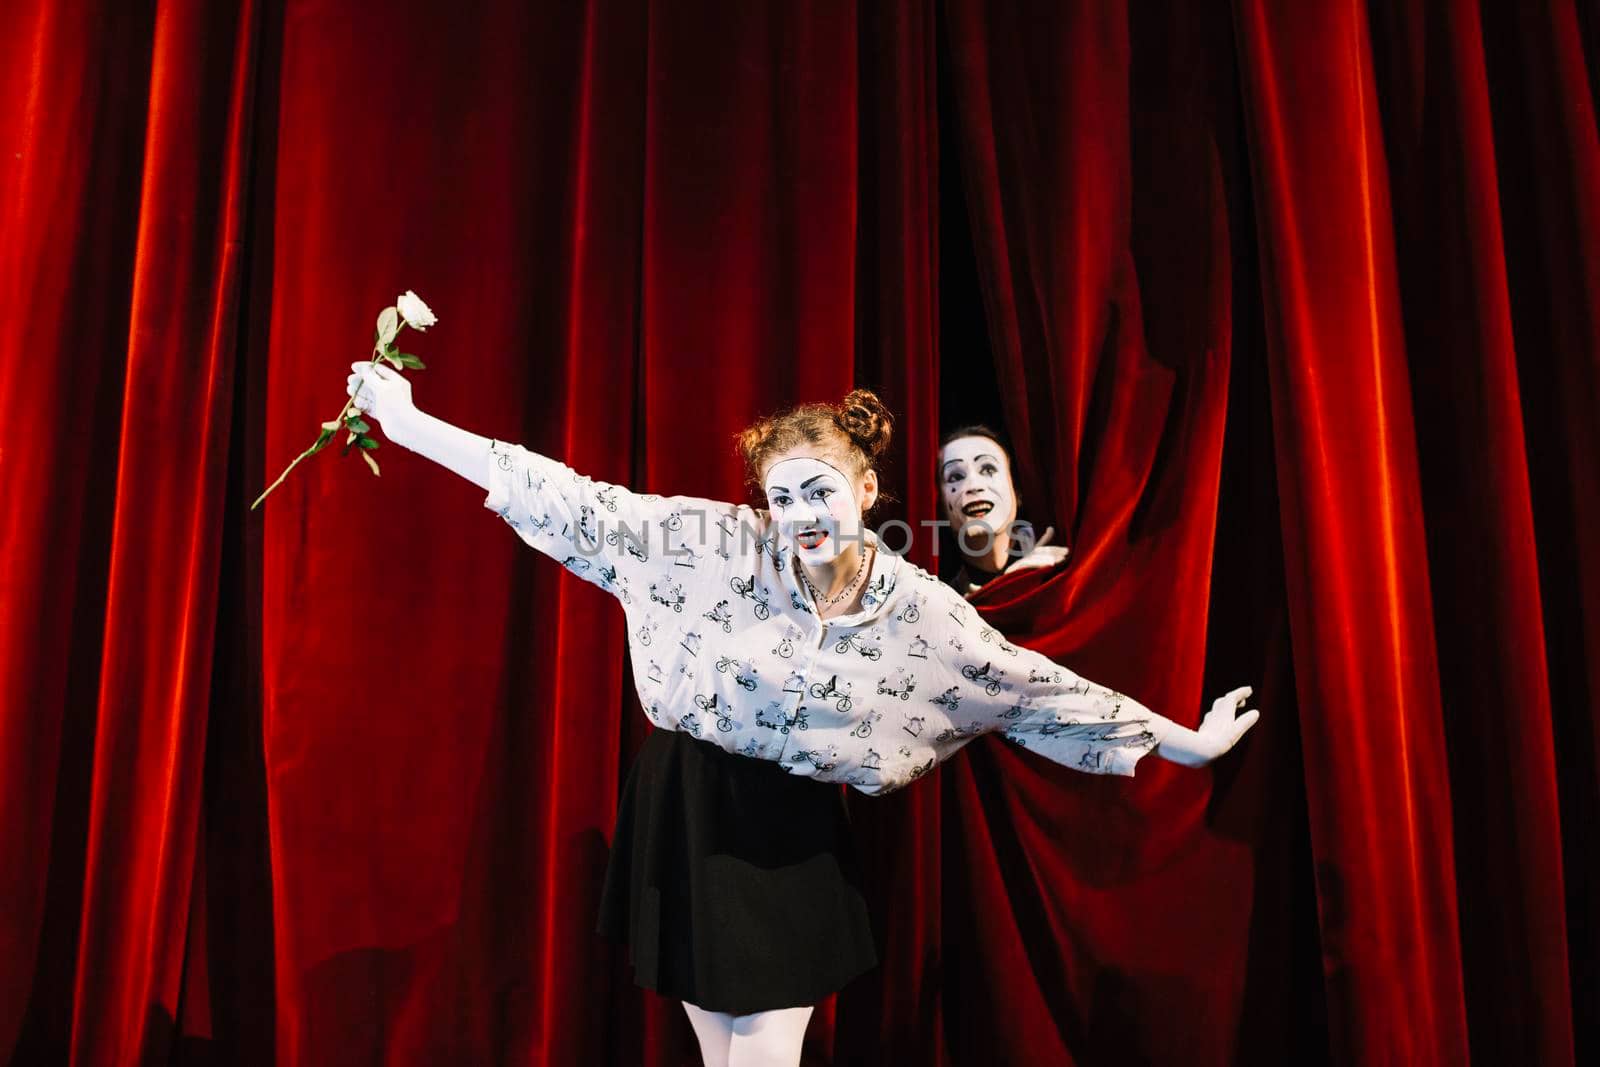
882,578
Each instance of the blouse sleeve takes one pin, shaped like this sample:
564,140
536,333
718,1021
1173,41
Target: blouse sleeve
1038,704
606,534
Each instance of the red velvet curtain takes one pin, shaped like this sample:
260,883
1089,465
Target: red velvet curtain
1101,209
1423,296
1289,310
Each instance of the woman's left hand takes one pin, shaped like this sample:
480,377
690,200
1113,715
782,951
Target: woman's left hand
1219,731
1220,728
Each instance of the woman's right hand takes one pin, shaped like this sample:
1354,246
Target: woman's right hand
382,393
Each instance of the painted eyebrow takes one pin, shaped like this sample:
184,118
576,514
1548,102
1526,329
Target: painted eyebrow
980,455
808,481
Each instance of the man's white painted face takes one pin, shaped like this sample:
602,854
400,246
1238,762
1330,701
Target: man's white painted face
814,508
975,484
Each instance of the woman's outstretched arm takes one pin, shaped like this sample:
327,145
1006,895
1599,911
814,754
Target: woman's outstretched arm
1039,704
460,450
603,533
385,394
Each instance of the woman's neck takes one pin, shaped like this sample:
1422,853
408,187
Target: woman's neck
834,577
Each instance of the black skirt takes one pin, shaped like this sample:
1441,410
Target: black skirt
733,883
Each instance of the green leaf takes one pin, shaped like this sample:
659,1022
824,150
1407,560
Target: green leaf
366,442
388,325
408,360
356,423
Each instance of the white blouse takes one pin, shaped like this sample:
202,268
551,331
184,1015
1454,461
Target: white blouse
726,645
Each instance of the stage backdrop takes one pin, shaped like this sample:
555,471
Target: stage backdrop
1287,307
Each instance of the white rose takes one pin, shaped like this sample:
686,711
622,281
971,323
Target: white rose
418,316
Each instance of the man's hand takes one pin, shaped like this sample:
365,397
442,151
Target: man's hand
1042,556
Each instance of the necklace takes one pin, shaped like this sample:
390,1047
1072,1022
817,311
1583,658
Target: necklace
828,602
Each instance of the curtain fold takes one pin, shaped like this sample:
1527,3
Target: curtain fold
1428,66
1099,191
1548,154
1354,540
132,197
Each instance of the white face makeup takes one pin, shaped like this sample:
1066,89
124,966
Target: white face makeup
975,484
814,507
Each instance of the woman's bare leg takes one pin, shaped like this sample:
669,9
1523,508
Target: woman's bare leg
769,1038
714,1031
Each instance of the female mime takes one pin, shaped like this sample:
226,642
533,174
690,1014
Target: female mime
778,651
